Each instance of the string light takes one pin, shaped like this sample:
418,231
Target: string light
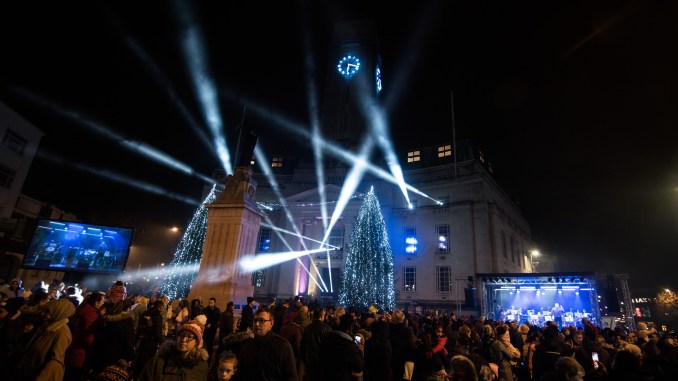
368,274
270,205
183,269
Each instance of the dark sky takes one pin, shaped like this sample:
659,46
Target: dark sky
575,103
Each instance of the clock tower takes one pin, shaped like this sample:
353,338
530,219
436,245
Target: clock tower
353,81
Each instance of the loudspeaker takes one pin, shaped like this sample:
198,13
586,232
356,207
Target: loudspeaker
470,297
612,300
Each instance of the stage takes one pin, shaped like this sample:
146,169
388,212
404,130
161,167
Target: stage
532,297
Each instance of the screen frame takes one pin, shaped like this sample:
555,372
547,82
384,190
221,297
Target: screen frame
122,244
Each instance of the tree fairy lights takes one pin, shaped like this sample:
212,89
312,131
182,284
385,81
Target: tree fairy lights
184,266
368,274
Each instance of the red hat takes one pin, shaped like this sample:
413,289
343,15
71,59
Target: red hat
196,327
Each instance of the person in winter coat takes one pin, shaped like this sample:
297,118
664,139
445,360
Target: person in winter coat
183,360
378,353
267,356
45,354
86,324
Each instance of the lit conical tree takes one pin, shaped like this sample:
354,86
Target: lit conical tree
184,267
368,274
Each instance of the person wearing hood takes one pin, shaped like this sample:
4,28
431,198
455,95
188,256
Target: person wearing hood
184,360
46,351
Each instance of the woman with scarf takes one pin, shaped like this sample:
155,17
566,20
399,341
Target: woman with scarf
44,356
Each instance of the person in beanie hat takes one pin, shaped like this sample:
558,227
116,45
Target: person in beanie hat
196,327
45,353
115,372
185,359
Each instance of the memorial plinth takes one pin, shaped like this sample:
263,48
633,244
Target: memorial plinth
233,222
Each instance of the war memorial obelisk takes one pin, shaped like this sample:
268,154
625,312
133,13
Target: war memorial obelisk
233,222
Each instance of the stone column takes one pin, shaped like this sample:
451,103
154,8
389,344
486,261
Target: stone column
233,222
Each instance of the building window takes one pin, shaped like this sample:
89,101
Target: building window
513,251
444,151
410,240
489,167
14,142
277,162
444,278
481,155
443,233
503,243
6,176
410,277
337,239
264,241
413,156
258,278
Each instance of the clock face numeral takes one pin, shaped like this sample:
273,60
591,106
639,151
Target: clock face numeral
348,65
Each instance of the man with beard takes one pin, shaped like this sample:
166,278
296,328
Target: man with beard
267,356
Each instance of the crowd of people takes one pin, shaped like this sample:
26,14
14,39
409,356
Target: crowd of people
53,332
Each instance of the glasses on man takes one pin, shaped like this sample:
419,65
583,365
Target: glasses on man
186,336
260,321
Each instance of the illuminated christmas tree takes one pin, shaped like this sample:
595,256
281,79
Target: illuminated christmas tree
368,274
184,267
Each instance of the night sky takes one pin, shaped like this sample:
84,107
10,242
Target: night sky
575,104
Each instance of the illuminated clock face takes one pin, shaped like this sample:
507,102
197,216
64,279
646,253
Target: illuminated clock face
348,65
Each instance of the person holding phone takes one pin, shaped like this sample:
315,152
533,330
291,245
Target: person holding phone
595,359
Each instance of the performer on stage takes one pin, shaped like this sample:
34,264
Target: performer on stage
557,313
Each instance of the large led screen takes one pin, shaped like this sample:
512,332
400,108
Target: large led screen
76,246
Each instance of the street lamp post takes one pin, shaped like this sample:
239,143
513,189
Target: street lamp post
533,253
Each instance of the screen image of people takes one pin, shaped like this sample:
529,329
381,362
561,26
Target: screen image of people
78,246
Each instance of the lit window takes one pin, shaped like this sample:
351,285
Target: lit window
444,278
337,238
482,156
410,277
445,151
413,156
6,176
14,142
258,278
410,240
277,162
264,241
443,238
